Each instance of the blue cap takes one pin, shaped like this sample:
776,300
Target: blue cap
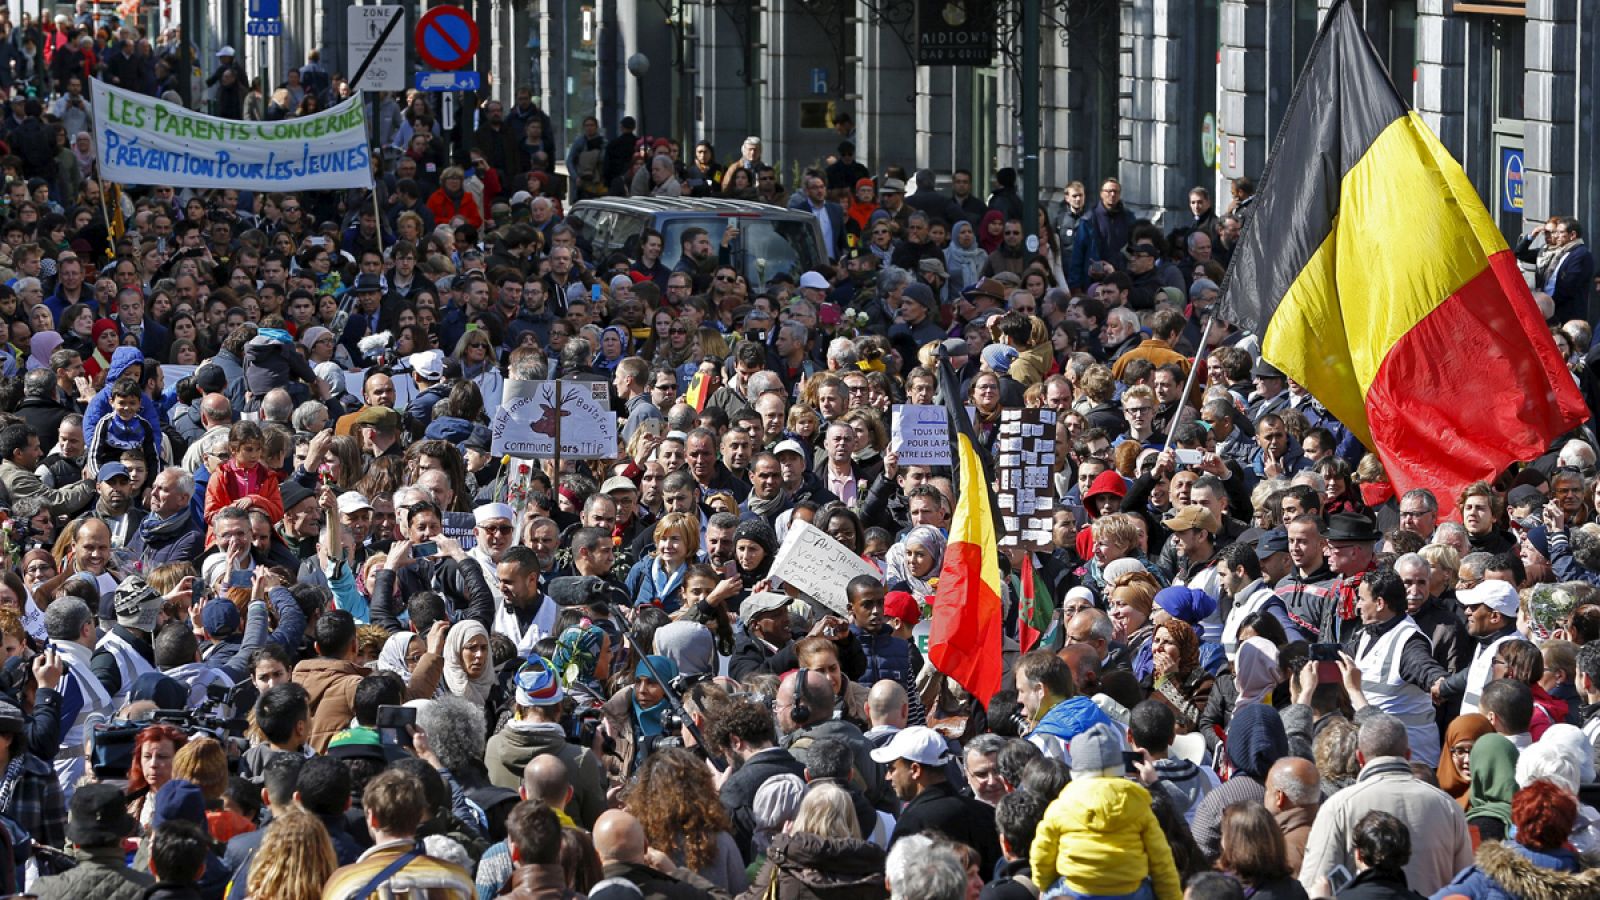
180,800
666,668
111,470
1272,542
220,618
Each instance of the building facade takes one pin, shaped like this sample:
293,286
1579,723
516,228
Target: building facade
1165,95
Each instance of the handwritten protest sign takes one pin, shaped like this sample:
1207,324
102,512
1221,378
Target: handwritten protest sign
920,435
1025,456
525,423
142,140
820,566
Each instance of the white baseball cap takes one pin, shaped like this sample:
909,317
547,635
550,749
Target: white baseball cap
814,280
1500,596
918,744
353,501
429,364
789,446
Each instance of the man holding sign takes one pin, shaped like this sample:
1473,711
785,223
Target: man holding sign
767,644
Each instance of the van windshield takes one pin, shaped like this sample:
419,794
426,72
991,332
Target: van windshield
765,248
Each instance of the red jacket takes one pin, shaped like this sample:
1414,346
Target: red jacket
444,210
259,486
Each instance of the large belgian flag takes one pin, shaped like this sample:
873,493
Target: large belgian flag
1375,278
965,641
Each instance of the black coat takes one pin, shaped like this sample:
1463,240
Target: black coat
1374,885
44,416
739,791
962,819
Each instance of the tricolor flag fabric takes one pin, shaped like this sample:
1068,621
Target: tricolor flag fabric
1375,278
1036,608
965,642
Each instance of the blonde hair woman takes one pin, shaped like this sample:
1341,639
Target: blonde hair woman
294,861
826,811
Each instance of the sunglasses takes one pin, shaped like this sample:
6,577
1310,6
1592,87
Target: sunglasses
496,529
726,278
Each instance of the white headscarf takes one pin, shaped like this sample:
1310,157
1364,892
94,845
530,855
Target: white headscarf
393,656
455,676
1256,670
898,568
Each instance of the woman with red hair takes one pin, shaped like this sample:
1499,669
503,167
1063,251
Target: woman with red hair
153,752
1537,863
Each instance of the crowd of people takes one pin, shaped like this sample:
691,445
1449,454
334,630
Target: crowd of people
279,623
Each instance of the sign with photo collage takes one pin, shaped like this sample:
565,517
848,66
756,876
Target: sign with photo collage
1025,455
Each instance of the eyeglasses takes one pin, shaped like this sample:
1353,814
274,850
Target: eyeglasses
678,331
669,386
496,529
290,208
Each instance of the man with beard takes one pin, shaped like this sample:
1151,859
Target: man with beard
1491,608
493,526
525,615
115,507
700,451
745,729
1011,256
768,499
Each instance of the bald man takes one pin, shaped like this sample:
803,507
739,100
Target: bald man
546,780
625,853
1294,792
888,710
1084,661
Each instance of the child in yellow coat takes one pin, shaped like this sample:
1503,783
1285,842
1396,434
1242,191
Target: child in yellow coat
1099,838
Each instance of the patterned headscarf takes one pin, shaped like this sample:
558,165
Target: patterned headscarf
578,654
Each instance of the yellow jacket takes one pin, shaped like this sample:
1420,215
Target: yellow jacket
1102,838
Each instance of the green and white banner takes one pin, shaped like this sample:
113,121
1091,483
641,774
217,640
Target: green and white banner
142,140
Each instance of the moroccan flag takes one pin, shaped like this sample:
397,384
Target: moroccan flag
1376,279
1037,606
965,640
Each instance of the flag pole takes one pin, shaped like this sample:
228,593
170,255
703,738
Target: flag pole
105,212
1188,383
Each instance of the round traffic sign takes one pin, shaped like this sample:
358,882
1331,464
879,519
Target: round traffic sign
447,38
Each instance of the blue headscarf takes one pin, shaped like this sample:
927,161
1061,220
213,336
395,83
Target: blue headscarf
648,719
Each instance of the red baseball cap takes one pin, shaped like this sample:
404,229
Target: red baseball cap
902,606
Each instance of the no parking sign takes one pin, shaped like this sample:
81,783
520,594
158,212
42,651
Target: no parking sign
447,38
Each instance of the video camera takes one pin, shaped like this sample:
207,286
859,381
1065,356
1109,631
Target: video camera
111,741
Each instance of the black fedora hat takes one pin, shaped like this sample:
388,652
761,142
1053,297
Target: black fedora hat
1352,528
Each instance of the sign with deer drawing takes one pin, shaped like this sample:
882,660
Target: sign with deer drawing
525,424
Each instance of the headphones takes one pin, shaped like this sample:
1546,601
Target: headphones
800,710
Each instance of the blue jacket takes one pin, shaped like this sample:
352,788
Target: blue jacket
100,405
1506,870
643,587
888,657
1072,717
